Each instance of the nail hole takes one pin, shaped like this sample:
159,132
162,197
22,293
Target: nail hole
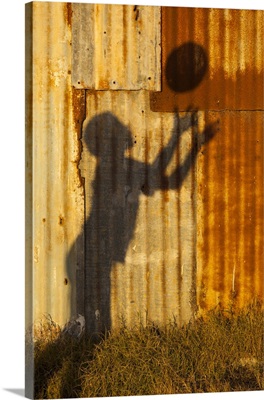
65,281
43,219
149,78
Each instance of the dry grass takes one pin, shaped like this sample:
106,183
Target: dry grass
222,352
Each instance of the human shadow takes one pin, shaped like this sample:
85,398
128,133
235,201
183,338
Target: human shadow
119,180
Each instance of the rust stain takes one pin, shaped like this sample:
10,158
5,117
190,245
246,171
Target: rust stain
211,59
243,94
78,105
124,47
230,212
125,12
104,84
68,13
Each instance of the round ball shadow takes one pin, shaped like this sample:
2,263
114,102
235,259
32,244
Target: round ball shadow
186,67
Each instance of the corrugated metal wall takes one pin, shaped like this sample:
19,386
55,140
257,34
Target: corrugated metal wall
230,212
28,170
227,46
57,188
116,47
140,230
168,219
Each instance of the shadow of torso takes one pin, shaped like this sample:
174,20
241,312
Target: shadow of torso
118,183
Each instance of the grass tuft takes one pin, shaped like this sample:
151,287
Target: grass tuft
217,353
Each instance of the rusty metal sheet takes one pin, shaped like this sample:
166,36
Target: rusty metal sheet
230,212
116,47
28,167
212,59
162,223
58,209
140,211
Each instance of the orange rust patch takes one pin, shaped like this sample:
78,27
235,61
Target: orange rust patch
68,13
103,84
79,112
78,106
230,212
217,74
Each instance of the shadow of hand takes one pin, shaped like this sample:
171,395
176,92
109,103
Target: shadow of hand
183,123
210,131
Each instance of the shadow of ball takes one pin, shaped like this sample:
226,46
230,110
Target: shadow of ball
186,67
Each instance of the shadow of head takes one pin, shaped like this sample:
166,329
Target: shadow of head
105,134
185,67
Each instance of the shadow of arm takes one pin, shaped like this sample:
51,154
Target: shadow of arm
181,124
156,178
177,178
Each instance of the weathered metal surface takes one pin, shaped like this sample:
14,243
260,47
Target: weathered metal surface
57,188
28,167
212,59
230,212
116,47
161,231
140,211
29,301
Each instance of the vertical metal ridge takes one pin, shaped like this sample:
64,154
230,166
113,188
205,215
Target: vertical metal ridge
163,232
41,145
179,232
193,196
148,270
29,248
259,237
242,216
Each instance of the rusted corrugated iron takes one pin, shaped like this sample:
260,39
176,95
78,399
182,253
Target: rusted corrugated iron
58,207
28,169
171,221
212,59
140,214
230,212
116,47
